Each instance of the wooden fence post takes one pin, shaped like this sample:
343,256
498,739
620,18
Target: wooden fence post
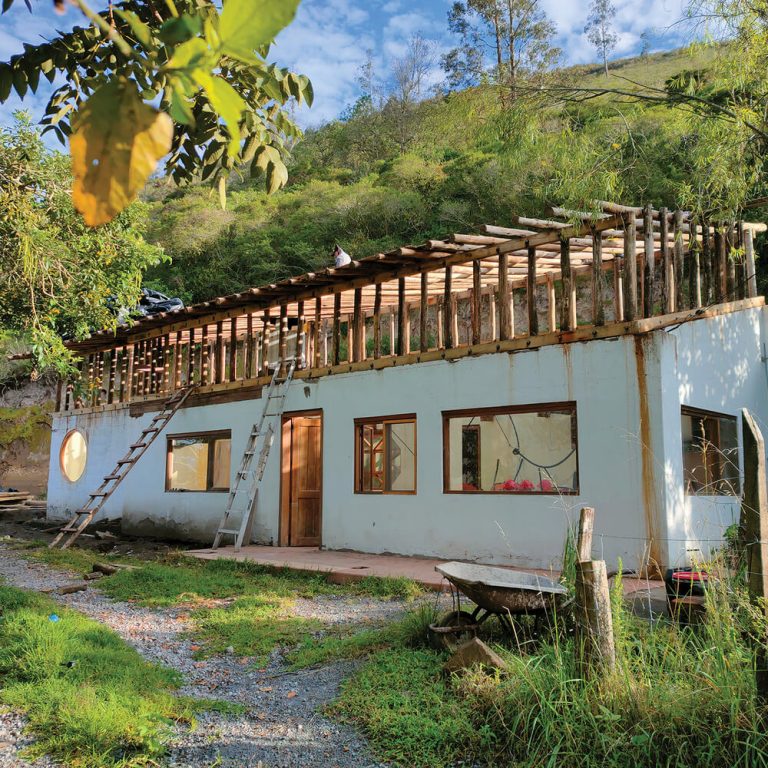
594,623
754,530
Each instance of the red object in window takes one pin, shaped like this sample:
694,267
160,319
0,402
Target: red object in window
468,487
546,485
510,485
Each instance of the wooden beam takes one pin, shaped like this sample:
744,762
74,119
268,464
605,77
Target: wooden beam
706,263
249,348
598,280
266,330
678,255
649,264
336,330
358,330
720,270
667,281
630,267
233,350
618,290
376,322
551,303
533,314
477,289
749,255
694,268
448,310
505,315
423,308
401,318
567,298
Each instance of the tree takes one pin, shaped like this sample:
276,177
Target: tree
59,277
409,73
599,29
181,79
517,33
645,43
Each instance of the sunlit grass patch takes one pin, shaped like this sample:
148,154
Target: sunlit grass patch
90,699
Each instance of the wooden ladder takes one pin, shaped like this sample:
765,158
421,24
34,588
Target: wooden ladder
96,500
241,501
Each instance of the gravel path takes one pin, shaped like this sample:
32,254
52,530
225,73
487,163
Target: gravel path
281,726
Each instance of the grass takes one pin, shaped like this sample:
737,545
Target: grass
90,699
679,697
234,605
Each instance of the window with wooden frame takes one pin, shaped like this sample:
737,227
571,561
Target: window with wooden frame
198,462
522,449
385,454
710,453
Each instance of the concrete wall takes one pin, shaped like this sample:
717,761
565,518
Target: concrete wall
714,365
628,393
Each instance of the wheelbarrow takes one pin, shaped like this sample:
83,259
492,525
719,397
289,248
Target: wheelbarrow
496,592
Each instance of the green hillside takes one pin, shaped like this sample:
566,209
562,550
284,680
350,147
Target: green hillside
384,177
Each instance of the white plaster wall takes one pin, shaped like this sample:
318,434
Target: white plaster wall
600,375
713,364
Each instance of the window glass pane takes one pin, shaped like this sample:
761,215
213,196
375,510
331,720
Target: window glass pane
74,452
189,464
470,457
710,454
221,458
401,456
532,452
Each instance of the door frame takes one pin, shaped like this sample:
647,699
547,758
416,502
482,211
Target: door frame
286,446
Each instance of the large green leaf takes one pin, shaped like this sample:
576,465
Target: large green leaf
117,142
226,101
249,24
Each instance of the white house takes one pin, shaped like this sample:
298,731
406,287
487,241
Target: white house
462,399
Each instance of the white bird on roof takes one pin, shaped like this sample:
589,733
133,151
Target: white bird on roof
340,257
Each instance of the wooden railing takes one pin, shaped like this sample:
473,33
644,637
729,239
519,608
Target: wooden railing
465,292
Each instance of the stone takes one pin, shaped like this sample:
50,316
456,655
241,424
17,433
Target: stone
472,652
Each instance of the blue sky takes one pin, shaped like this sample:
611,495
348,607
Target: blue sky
330,39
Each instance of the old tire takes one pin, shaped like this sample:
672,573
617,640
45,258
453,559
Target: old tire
457,621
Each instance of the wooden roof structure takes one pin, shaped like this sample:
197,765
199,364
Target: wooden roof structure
465,254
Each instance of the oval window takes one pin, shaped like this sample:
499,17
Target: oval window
73,455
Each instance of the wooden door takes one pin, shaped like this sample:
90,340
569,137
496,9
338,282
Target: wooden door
305,481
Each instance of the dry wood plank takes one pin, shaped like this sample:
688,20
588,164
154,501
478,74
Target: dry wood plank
618,290
266,331
505,297
448,310
336,330
630,267
567,307
377,322
678,256
192,359
476,299
233,349
720,270
753,524
401,318
586,529
551,303
248,347
749,255
423,308
301,338
667,287
649,272
533,314
706,260
282,338
694,267
218,353
125,374
730,262
598,280
358,330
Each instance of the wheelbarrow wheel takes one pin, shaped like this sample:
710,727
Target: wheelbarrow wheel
453,629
